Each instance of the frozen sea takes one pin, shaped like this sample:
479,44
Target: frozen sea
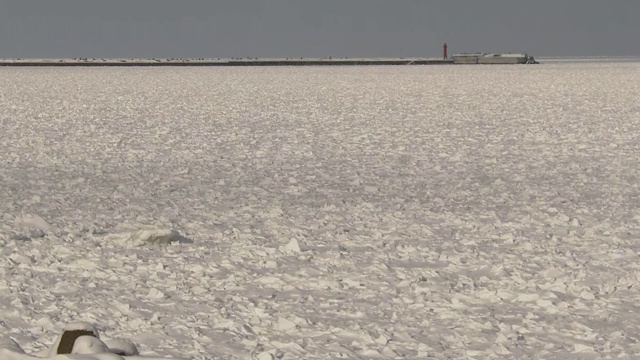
462,212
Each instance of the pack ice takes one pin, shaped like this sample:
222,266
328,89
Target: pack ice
410,212
78,341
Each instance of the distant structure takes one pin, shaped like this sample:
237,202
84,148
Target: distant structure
493,59
457,59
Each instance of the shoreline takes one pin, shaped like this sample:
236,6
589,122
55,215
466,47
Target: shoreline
223,62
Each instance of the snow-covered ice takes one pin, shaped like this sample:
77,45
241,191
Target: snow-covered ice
77,341
285,213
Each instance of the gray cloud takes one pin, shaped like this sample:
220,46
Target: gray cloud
280,28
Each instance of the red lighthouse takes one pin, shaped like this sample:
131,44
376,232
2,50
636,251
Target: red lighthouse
444,50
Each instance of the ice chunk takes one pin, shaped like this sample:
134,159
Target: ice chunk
143,237
33,222
10,346
71,332
124,347
82,326
89,345
291,248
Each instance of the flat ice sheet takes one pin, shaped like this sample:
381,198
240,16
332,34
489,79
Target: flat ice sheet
356,212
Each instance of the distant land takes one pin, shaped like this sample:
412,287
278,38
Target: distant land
475,58
222,61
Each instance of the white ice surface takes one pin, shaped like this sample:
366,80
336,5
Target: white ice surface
122,346
377,212
84,348
82,326
89,345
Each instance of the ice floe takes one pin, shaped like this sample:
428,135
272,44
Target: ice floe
321,213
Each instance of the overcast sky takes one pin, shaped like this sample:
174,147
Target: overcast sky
310,28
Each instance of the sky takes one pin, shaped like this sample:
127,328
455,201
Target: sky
323,28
